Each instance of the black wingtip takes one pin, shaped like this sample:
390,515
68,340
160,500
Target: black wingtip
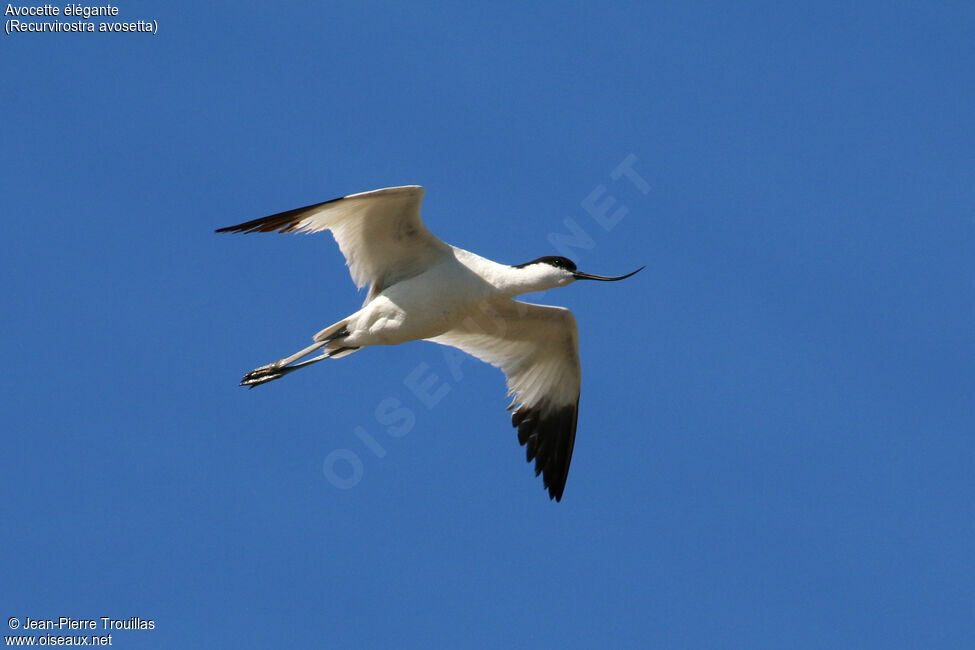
548,435
286,221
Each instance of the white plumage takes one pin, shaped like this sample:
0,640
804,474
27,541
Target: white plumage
421,288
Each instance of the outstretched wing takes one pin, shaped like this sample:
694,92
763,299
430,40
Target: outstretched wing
537,347
380,233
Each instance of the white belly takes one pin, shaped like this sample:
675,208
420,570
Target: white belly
419,308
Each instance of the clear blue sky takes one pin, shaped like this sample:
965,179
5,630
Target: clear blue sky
775,444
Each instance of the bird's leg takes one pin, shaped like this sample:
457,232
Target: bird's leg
251,379
282,367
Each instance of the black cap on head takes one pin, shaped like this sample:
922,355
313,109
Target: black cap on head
552,260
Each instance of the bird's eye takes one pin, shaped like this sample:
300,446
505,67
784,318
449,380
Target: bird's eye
565,263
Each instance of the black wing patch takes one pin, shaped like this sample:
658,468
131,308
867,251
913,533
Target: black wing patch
281,222
548,434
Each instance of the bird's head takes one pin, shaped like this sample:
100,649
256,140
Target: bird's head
555,271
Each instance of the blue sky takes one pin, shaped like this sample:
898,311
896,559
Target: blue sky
775,435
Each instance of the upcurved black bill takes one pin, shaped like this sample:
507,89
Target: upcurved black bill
579,275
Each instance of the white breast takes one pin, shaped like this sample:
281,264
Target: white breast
421,307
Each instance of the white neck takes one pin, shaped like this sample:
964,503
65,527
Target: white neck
510,281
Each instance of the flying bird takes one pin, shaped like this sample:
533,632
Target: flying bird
421,288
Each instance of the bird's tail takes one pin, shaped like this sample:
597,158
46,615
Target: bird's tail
333,336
